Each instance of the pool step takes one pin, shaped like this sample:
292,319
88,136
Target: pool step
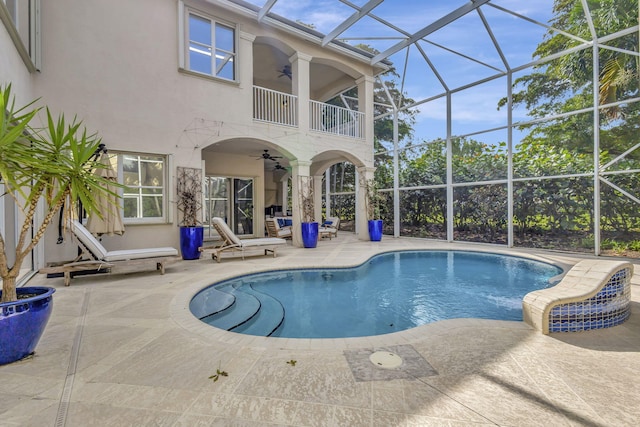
267,319
245,307
211,301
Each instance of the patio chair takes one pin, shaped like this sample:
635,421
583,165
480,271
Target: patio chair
330,227
231,242
102,260
275,230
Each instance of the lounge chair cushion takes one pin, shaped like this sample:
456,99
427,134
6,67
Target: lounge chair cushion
285,222
128,254
227,231
247,242
275,230
87,239
95,247
284,232
262,242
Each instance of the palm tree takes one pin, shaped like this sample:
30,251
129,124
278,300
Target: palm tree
55,164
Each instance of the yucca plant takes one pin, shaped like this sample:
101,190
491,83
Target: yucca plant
54,164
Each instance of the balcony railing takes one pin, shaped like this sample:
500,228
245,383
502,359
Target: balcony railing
275,107
336,120
281,108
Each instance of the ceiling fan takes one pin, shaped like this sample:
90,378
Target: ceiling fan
286,71
267,156
278,166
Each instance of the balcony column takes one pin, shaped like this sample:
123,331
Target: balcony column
365,175
300,171
244,68
365,105
284,189
300,80
317,198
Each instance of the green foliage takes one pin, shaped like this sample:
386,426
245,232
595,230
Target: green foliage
54,163
553,164
219,374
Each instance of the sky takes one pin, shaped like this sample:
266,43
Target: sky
477,58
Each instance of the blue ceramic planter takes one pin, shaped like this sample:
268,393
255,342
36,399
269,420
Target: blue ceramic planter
191,239
375,230
310,234
22,323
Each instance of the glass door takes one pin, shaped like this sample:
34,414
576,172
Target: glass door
230,199
243,206
216,202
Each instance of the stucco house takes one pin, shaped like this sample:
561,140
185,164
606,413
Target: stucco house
197,84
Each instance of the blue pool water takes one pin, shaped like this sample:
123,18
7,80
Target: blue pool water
390,292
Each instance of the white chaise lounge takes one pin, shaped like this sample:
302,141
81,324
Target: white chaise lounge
110,261
231,242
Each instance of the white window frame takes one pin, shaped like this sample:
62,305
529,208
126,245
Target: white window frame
22,23
184,13
166,164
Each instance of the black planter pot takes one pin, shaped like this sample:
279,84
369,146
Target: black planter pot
375,230
191,239
22,323
310,234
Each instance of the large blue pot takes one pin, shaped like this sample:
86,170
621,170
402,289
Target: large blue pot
191,239
310,234
22,323
375,230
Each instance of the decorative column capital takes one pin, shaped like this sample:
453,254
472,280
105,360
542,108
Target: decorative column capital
299,56
247,36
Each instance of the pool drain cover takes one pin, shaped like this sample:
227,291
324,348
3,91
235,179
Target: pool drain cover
385,359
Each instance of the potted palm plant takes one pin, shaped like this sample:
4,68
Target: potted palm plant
54,164
309,227
190,207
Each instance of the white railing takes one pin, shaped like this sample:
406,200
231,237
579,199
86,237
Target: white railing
281,108
275,107
336,120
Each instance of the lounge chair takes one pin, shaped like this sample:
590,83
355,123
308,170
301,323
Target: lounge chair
275,230
330,227
110,261
231,242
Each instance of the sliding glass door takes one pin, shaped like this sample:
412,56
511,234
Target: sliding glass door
242,206
230,199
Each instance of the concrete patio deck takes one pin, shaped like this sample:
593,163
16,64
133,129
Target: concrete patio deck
125,351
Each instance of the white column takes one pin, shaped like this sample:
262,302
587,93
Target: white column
245,69
317,198
300,86
365,105
285,193
327,192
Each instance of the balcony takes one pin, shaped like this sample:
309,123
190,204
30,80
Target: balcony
275,107
280,108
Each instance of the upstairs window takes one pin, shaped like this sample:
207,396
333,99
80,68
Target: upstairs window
211,48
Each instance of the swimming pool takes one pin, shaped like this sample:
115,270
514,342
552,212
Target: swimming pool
388,293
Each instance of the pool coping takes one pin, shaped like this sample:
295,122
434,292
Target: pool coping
180,313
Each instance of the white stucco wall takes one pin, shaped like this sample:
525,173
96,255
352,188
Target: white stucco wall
116,65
